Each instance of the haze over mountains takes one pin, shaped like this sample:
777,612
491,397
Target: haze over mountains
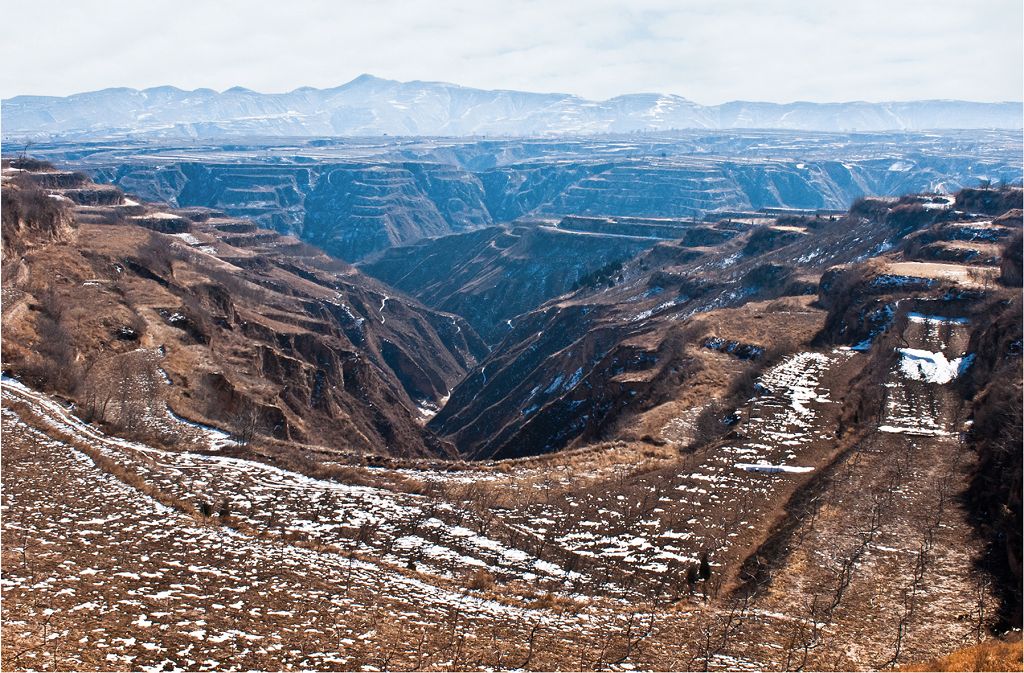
373,106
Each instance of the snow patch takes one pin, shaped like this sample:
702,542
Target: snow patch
922,365
768,468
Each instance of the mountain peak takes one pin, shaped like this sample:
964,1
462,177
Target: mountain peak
367,78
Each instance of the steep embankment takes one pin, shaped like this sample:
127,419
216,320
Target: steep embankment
254,332
578,366
492,275
993,385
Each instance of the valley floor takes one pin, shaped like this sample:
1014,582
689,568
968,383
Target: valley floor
827,553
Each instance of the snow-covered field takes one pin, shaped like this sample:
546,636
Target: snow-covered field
885,550
407,530
910,400
636,531
113,578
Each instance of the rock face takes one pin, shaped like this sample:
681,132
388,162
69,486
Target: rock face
245,323
370,106
355,210
349,210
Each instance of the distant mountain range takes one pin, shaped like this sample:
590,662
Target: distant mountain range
370,106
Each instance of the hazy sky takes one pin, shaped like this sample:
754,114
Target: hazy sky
709,51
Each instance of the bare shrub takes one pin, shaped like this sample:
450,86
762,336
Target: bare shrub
53,365
1011,266
30,216
120,390
29,164
158,255
481,580
709,425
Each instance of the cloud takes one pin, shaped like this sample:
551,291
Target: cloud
707,51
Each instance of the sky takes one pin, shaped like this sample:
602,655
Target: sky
710,52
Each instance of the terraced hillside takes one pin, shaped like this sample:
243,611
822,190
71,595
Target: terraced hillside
258,332
347,209
490,276
576,368
767,442
429,569
356,210
353,197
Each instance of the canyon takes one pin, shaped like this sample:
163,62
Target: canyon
352,403
355,197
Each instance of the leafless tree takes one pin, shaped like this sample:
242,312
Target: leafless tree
246,424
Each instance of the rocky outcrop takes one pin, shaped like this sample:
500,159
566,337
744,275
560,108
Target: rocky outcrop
248,325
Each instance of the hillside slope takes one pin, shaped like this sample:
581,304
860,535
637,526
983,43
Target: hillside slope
572,369
233,325
787,448
492,275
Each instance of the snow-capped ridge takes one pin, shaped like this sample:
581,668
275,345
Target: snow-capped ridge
371,105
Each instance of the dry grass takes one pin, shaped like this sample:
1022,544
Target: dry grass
968,276
601,508
481,580
991,655
109,466
648,634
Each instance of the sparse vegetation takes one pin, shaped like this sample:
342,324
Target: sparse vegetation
992,655
1011,268
31,217
604,277
292,511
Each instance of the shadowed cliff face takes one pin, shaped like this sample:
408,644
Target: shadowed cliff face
492,275
348,210
353,211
